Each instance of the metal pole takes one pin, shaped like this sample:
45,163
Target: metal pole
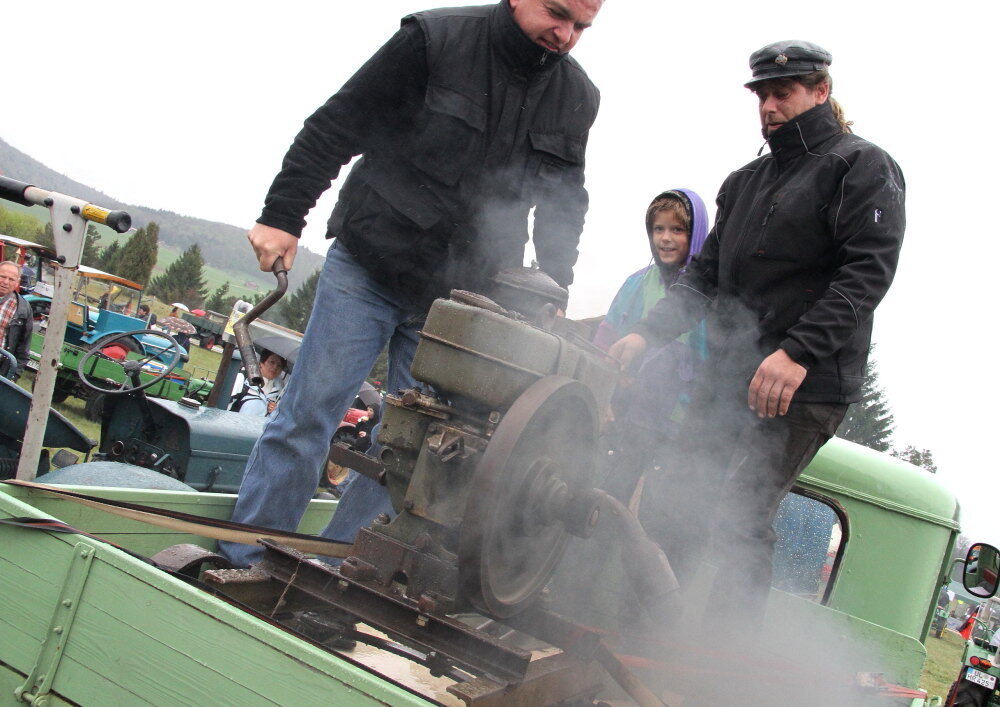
68,228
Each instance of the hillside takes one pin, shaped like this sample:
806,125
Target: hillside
224,246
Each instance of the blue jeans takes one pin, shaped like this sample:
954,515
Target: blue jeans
352,319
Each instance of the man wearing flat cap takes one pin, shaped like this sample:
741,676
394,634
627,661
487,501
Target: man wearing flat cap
804,247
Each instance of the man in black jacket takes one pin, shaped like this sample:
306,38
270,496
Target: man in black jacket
465,119
804,247
16,322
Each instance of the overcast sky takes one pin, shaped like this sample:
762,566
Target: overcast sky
189,106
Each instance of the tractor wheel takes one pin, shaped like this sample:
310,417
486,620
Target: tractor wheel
966,694
93,409
61,392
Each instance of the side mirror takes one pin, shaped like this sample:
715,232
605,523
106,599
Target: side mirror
982,570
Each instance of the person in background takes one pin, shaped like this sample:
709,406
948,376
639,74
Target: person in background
676,228
143,312
16,321
263,399
647,413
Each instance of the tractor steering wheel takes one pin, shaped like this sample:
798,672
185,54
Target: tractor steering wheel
132,367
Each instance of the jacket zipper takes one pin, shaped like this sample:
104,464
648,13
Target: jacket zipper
738,246
759,249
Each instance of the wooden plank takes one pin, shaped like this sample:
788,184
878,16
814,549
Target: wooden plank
140,632
10,680
30,598
209,505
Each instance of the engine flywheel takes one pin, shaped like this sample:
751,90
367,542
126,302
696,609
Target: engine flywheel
513,532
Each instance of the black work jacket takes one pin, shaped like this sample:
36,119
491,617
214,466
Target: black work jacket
17,339
804,247
464,125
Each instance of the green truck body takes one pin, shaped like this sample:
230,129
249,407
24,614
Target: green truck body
141,634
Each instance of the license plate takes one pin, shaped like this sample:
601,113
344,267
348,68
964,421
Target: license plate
980,678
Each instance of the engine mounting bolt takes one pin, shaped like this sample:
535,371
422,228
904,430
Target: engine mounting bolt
422,621
342,585
494,417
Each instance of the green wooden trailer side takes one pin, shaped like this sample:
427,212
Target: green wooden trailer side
91,624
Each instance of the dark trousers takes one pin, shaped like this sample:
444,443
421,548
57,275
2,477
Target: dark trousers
770,454
717,497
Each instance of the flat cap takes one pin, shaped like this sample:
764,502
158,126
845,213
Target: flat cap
791,57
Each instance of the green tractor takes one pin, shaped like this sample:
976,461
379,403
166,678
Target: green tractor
976,685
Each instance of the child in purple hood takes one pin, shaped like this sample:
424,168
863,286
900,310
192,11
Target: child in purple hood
640,439
676,226
648,413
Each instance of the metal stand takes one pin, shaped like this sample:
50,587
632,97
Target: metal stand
69,226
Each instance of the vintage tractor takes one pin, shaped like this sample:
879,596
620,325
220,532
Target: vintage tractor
976,685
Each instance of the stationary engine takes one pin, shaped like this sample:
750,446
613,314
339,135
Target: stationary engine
490,470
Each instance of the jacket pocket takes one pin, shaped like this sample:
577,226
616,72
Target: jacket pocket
553,154
791,229
450,134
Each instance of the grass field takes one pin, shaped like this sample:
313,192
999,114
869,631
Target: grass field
943,658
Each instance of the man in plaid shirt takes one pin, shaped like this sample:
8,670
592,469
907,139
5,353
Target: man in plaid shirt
16,320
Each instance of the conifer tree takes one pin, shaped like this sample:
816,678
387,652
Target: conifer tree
138,256
869,421
923,458
108,258
183,280
297,308
91,250
220,300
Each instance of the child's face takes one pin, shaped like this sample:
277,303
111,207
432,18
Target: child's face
671,241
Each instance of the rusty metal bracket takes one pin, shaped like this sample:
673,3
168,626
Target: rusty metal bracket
340,453
463,646
36,688
554,677
450,443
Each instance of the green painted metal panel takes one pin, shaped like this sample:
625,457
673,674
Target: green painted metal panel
866,475
901,523
842,642
142,636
